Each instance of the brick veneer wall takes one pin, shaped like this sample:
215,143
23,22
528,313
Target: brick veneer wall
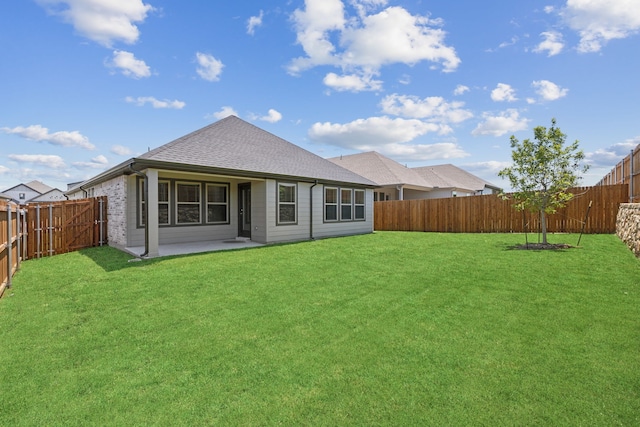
116,192
628,226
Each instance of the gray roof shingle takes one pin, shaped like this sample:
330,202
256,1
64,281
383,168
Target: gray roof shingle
234,145
450,176
381,170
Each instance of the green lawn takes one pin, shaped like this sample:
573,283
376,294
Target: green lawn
383,329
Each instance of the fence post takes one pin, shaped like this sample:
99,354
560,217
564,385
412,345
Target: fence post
631,177
100,206
38,233
51,230
9,247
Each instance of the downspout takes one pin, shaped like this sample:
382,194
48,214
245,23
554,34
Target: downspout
146,211
311,209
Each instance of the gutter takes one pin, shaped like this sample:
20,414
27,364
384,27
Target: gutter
311,209
146,211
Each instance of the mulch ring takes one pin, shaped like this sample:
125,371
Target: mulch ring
543,246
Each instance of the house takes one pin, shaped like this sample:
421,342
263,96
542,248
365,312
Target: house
451,181
398,182
393,180
227,180
34,192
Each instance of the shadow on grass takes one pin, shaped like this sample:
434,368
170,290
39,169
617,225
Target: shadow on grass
112,259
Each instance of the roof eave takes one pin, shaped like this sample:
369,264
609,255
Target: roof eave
141,164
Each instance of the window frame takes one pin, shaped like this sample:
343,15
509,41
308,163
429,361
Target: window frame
343,204
225,203
333,204
353,206
356,205
280,203
179,203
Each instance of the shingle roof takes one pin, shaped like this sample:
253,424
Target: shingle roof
381,170
235,145
39,186
450,176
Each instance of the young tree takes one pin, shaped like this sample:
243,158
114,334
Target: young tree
542,172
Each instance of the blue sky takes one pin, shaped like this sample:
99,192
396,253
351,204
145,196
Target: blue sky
87,84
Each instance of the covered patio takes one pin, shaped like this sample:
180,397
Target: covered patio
196,247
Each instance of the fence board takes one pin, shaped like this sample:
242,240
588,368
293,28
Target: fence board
67,226
11,242
491,214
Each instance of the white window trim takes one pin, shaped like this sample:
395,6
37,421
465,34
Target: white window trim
336,204
356,204
350,204
294,203
198,203
208,203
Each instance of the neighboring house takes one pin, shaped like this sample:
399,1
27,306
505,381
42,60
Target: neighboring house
398,182
229,179
34,192
394,181
451,181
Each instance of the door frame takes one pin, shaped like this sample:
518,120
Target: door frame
244,204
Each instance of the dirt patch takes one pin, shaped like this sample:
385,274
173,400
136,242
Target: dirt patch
542,246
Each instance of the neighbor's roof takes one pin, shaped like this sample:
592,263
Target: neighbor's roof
36,186
235,147
381,170
450,176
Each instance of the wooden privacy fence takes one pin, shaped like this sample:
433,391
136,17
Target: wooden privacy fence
12,234
45,229
61,227
627,171
491,214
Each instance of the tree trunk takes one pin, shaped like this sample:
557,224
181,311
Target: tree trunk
543,226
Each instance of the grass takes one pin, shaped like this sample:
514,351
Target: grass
382,329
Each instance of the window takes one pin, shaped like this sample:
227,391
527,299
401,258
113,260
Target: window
350,205
22,196
188,203
330,204
345,204
217,203
163,203
358,204
286,203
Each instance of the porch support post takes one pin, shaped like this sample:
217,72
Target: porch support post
152,206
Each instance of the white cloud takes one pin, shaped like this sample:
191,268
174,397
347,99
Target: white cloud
121,150
387,136
611,156
552,43
41,134
368,134
98,162
48,160
272,116
129,65
209,68
103,21
156,103
352,82
4,170
365,43
599,21
549,91
225,111
503,92
433,108
506,122
422,152
460,89
254,22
